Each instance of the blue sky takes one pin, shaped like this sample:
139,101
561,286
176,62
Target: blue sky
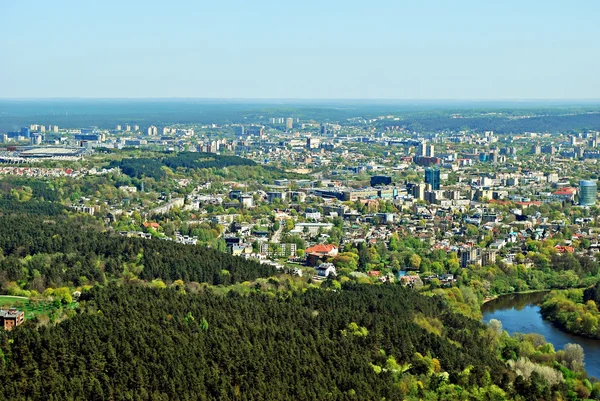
526,49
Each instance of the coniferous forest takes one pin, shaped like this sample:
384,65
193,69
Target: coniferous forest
359,343
61,250
151,167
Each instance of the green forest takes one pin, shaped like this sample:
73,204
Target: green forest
361,342
575,310
40,252
154,167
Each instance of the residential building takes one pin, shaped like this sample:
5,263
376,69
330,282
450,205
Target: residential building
10,318
152,130
326,270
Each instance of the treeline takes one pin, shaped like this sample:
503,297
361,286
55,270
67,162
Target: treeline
575,311
27,196
549,123
153,167
50,252
360,342
33,207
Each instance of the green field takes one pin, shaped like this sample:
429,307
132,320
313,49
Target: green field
31,307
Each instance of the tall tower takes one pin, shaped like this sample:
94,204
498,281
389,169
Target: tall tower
432,177
587,193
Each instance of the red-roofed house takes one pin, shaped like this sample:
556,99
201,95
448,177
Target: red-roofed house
319,252
564,248
565,194
152,224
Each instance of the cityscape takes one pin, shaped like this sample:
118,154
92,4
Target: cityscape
299,201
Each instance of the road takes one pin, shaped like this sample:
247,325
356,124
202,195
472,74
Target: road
277,234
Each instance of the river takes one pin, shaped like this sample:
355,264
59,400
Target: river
520,313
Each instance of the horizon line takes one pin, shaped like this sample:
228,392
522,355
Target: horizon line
21,98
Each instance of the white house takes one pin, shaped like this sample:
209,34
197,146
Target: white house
326,269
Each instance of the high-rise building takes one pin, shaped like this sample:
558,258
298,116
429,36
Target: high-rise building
289,123
432,177
118,128
548,149
488,257
136,127
239,130
128,128
26,132
430,151
36,139
587,193
467,256
152,130
313,143
418,191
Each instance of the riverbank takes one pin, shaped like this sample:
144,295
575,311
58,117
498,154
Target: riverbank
488,299
520,313
569,312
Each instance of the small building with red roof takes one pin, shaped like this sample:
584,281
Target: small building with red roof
319,252
565,194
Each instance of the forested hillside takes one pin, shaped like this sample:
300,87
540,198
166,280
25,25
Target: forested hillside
40,252
152,167
361,342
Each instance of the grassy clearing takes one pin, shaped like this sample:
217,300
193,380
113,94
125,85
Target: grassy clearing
33,307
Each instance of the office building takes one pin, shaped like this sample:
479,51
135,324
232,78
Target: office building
432,177
380,180
587,193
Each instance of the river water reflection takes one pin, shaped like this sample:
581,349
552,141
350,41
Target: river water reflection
520,313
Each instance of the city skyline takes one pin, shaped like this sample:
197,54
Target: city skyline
434,50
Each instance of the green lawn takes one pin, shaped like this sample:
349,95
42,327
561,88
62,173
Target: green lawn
31,308
9,300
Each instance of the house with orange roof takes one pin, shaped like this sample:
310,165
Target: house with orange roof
566,194
564,249
320,252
